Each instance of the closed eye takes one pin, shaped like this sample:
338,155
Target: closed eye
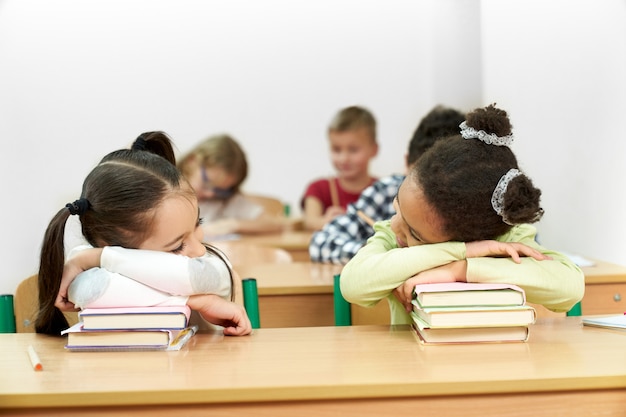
412,232
179,249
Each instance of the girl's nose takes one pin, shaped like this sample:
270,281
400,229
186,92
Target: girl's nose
196,249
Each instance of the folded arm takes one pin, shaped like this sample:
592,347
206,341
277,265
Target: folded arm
548,278
172,274
380,266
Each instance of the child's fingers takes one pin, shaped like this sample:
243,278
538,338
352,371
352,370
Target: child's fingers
64,304
240,326
400,294
512,252
534,253
238,329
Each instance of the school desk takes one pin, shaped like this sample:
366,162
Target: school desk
300,294
605,288
285,291
296,242
564,369
294,294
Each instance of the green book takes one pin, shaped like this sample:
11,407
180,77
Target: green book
468,294
478,316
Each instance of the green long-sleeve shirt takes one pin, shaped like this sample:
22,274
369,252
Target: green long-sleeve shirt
381,266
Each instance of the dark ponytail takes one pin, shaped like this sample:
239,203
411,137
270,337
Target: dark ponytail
156,142
50,320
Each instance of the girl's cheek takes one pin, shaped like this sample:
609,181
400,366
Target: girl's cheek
395,225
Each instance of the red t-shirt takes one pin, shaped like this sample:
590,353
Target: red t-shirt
320,189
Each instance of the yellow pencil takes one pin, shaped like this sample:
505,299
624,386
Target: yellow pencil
365,218
183,337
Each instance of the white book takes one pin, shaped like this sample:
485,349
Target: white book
617,322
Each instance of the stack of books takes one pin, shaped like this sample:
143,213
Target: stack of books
462,312
130,328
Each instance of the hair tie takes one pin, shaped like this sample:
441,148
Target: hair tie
497,198
139,144
79,206
469,132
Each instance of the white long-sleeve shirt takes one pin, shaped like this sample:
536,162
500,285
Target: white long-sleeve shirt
134,277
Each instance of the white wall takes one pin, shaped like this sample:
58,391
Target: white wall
559,67
79,78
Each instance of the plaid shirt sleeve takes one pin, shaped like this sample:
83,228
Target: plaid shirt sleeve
341,238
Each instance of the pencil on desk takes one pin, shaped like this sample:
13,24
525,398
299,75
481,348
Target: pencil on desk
365,218
34,359
183,337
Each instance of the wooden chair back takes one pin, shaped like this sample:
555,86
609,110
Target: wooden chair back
26,305
271,205
241,253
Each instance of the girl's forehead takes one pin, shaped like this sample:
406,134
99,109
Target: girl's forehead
176,206
174,218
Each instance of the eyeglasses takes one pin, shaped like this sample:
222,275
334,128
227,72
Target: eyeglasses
217,192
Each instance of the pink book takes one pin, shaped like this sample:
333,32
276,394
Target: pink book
459,294
118,318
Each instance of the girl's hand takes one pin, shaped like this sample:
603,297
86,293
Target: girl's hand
84,260
70,271
454,271
514,250
214,309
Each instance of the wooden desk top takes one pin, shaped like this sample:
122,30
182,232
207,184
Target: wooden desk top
292,278
290,240
317,363
604,272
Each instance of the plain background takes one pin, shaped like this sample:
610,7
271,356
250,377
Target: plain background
80,78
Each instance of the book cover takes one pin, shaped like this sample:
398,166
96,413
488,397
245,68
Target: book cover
482,316
616,322
455,335
468,294
80,339
157,317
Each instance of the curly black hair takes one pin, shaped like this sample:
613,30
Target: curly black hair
458,177
440,122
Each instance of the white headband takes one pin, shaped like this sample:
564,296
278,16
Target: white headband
469,132
497,198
